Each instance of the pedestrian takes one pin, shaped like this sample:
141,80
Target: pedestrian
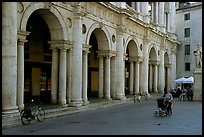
168,97
189,94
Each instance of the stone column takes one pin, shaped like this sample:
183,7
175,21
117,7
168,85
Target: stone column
173,17
101,80
20,68
69,75
145,11
137,77
150,77
145,66
169,81
54,75
156,12
107,78
85,74
77,58
173,68
152,11
141,87
9,57
155,78
161,16
138,6
131,77
161,71
113,77
62,77
120,65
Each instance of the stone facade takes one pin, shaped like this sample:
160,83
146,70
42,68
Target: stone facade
195,24
77,50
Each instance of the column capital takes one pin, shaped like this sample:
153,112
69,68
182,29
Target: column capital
61,44
22,37
154,62
106,53
86,48
136,59
168,65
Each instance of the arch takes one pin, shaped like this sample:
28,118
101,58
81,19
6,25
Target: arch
52,17
132,45
166,58
102,36
152,53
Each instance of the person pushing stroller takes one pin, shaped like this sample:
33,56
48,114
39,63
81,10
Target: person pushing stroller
168,97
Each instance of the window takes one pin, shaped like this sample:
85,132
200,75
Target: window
187,32
187,49
187,66
187,16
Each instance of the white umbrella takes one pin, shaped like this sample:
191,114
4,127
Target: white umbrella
180,80
189,80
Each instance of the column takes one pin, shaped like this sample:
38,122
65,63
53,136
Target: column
62,78
145,11
131,77
161,71
69,75
100,90
9,57
85,78
137,78
173,68
155,78
138,6
113,77
150,77
169,76
20,68
152,12
145,66
173,17
107,77
120,65
156,12
77,59
54,75
161,16
141,87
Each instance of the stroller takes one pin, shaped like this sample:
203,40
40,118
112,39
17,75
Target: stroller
162,109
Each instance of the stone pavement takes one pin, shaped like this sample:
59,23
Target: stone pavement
124,119
56,111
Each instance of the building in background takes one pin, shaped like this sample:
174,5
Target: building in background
189,31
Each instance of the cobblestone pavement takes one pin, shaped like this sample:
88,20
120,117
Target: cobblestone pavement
123,119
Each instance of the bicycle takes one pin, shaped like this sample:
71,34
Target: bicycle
140,97
27,115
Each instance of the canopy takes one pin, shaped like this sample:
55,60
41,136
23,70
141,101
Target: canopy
180,80
189,80
184,80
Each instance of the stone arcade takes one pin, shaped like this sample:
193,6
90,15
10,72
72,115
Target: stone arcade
68,52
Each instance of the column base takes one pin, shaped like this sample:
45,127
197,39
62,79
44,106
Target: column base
85,103
64,105
108,98
120,97
76,104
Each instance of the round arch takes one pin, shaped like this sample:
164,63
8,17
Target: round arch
133,46
153,52
102,36
52,17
